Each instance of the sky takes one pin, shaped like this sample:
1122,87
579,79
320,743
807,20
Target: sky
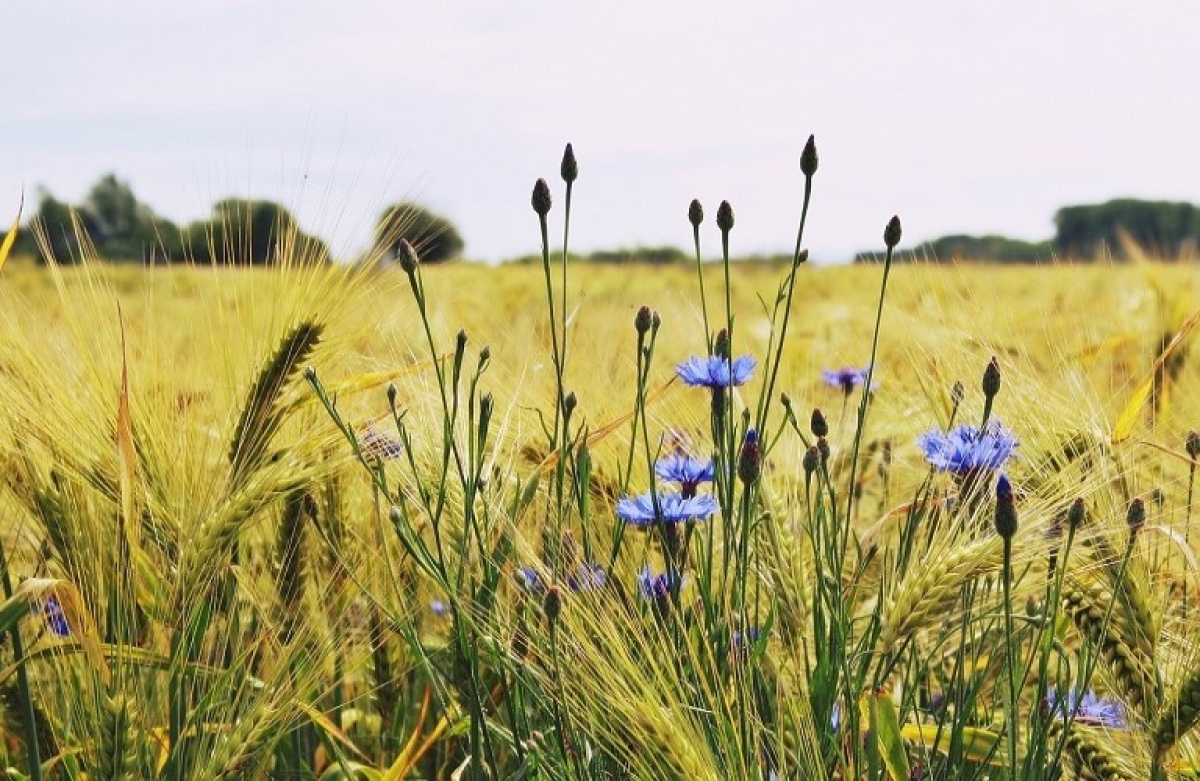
960,117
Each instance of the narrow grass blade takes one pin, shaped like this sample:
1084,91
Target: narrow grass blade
1129,415
11,237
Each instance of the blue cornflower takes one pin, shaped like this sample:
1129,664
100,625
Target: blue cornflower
1089,709
715,371
654,586
966,449
672,508
439,608
847,378
681,468
531,579
55,618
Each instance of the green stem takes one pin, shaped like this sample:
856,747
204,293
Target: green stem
27,713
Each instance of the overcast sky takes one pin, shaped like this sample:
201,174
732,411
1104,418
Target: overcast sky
958,116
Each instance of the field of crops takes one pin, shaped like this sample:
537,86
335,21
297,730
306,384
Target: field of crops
586,521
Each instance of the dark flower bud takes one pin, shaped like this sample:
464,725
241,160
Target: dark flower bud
802,257
391,394
552,604
808,158
1076,515
695,213
891,234
310,373
957,391
485,355
408,257
812,459
786,401
823,449
1136,516
817,424
569,168
655,321
569,403
750,459
541,198
460,341
1192,444
725,217
642,320
721,344
1006,510
991,379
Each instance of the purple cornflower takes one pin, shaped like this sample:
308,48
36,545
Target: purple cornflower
966,449
56,619
1089,709
715,371
439,608
672,508
847,378
378,445
654,586
681,468
588,577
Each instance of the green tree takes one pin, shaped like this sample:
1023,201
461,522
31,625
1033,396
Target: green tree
250,232
434,237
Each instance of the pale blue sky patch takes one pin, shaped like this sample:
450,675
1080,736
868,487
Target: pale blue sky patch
960,117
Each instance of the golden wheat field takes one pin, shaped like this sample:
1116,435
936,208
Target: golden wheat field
321,522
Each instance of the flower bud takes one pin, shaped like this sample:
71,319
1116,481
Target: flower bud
991,379
957,391
1006,510
721,344
1136,516
541,198
552,604
891,234
725,217
812,459
569,168
569,403
823,449
750,459
1192,444
817,424
408,257
808,158
1077,515
641,321
695,213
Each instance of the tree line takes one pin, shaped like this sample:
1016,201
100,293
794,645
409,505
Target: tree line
113,224
1085,232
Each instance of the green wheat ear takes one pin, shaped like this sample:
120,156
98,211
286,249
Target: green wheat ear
262,415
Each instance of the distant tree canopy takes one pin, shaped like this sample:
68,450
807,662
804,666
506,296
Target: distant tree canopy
959,247
240,232
1167,228
434,237
247,232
